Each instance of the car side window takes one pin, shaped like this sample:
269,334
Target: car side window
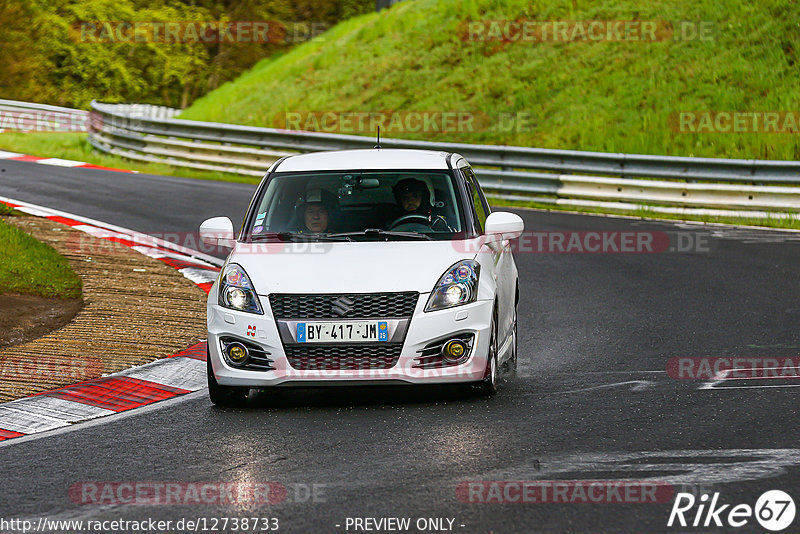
478,202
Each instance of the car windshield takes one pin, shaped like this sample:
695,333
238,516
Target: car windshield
358,206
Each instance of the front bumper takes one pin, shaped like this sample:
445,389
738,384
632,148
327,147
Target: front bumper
423,329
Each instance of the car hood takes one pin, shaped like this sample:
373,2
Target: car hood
357,267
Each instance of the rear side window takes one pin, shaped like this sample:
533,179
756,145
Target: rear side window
480,207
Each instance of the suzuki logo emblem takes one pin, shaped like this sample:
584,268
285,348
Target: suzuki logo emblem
342,306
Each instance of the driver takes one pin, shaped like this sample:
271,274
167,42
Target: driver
316,209
414,197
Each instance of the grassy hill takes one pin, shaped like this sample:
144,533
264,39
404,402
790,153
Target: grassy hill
68,52
579,94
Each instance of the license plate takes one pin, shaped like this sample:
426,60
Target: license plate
342,332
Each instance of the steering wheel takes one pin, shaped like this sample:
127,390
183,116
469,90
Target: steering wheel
410,219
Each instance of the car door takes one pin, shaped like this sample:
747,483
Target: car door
495,259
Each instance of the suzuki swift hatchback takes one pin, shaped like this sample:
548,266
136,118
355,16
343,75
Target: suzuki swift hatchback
363,267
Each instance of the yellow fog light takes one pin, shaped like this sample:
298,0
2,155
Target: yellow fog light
453,350
237,353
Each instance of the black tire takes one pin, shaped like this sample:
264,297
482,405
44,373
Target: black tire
488,386
226,396
512,367
511,364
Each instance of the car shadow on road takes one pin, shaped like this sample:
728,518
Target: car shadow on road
348,396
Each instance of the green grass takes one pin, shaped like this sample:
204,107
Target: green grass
74,146
32,267
645,213
603,96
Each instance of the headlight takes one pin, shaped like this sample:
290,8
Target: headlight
236,291
459,285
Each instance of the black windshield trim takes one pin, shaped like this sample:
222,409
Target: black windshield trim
456,177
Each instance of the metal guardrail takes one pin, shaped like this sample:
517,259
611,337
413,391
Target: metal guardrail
146,110
151,133
507,170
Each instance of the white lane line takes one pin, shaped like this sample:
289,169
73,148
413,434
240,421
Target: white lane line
178,372
62,409
783,377
103,233
34,415
636,385
144,244
765,386
6,155
116,416
723,376
607,373
719,377
675,467
27,422
198,275
34,211
49,212
150,252
58,162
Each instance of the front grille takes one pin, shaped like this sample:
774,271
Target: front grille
343,357
349,306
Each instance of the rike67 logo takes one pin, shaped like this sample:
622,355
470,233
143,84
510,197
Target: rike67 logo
774,510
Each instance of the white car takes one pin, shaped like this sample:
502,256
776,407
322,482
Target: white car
380,266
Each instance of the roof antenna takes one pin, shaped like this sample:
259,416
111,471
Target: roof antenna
379,138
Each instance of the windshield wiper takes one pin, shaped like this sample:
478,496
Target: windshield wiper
294,236
282,236
379,233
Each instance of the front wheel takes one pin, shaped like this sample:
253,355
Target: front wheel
511,365
226,396
488,386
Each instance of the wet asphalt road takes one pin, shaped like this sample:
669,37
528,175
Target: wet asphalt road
592,399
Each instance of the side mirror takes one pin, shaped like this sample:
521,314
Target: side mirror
503,225
217,231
